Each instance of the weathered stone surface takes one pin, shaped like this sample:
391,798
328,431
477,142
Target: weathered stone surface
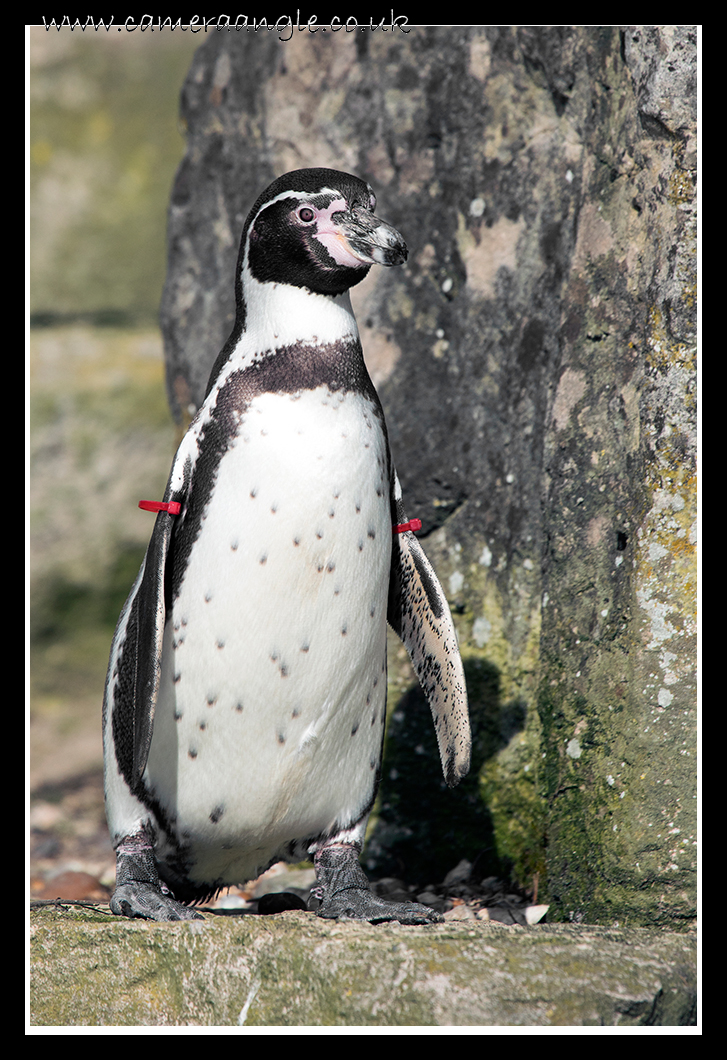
618,684
294,970
535,360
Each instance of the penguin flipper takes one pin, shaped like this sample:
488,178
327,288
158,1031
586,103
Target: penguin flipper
419,613
135,663
145,630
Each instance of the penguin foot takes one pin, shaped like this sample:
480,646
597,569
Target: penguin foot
139,892
147,902
344,893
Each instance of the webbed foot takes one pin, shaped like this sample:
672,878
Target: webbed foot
147,902
139,891
344,893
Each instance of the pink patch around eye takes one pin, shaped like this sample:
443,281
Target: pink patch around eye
329,234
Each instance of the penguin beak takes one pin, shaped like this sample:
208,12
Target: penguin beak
357,238
371,240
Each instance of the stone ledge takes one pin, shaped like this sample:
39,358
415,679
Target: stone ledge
91,969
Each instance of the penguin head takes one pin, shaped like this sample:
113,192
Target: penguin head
316,228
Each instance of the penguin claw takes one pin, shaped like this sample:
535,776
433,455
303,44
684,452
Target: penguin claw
365,905
344,893
146,902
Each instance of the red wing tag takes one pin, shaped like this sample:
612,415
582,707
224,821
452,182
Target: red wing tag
413,524
173,507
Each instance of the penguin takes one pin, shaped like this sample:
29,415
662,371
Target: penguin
245,698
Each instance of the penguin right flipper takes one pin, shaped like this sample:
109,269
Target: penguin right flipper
148,631
418,611
135,666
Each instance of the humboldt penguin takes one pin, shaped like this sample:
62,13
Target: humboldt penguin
245,699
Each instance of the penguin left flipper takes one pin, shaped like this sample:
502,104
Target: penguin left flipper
344,893
419,613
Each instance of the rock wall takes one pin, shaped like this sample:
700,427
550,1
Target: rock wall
536,362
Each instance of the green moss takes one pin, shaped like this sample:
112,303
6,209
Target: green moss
510,787
422,828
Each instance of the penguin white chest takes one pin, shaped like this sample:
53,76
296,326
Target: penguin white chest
271,710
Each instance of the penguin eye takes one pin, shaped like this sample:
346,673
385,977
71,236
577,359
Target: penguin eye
306,214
